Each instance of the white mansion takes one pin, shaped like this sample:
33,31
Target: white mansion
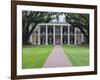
56,32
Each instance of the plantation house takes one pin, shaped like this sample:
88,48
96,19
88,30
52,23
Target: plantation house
56,32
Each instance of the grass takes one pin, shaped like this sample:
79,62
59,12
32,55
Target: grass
78,55
35,57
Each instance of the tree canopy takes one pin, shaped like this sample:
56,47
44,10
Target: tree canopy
33,18
30,19
80,21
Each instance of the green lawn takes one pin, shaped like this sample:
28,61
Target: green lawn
78,55
35,57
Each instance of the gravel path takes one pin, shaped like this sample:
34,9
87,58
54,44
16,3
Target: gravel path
57,58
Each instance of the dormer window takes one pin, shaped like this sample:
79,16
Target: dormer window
61,18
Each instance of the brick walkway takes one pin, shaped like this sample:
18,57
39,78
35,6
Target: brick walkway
57,58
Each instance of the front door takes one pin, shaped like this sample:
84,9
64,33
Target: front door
57,40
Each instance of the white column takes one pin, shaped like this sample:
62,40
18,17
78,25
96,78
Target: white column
82,37
54,35
35,39
68,34
46,35
75,36
61,35
38,35
79,36
30,39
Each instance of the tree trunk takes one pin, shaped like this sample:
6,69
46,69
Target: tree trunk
26,34
86,39
25,39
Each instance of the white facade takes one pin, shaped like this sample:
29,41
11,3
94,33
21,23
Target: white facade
56,34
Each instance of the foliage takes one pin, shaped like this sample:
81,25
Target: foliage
80,21
30,19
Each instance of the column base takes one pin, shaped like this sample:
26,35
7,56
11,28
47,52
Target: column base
53,44
46,44
38,44
68,43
